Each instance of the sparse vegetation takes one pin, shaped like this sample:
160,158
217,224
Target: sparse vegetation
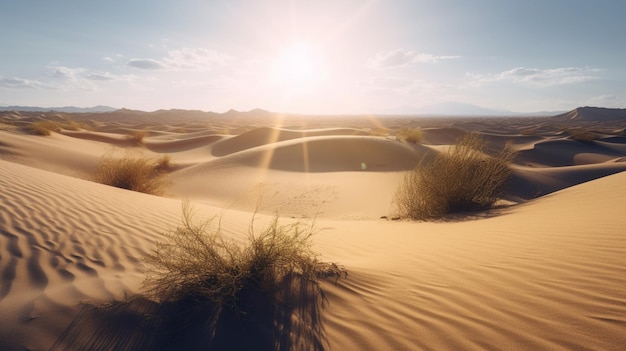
460,180
138,136
71,125
135,173
260,294
197,262
163,163
44,127
410,135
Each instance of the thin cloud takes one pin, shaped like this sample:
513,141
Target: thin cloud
402,57
194,59
63,72
20,83
148,64
100,76
185,59
607,100
541,77
65,78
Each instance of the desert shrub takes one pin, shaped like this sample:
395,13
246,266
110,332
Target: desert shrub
460,180
263,293
71,125
196,262
138,135
163,163
44,127
411,135
135,173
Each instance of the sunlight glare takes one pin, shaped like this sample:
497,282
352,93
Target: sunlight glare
297,66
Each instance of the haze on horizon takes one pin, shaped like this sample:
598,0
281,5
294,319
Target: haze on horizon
394,56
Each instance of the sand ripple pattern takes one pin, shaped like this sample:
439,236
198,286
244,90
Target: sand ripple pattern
529,279
63,239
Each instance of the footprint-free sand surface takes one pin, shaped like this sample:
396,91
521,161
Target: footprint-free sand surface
546,270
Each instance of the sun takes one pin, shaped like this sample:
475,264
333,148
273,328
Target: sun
298,66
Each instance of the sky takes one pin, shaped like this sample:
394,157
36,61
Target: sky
314,57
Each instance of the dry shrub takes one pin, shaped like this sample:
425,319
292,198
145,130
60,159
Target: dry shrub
72,125
163,163
44,127
138,135
460,180
264,294
411,135
135,173
196,262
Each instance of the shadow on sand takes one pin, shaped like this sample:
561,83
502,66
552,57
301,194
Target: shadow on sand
290,319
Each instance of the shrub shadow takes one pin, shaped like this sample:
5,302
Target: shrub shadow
288,319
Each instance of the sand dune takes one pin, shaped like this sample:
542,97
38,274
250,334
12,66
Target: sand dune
331,154
263,136
594,114
545,273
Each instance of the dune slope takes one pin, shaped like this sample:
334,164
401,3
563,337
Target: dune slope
545,275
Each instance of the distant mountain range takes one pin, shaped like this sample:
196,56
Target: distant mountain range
441,109
588,113
68,109
452,108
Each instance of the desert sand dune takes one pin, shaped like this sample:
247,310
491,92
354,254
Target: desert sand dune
546,272
183,144
330,154
561,152
263,136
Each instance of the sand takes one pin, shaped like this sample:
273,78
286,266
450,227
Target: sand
545,272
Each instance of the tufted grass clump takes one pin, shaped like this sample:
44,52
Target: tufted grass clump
464,179
138,136
136,173
196,262
44,127
410,135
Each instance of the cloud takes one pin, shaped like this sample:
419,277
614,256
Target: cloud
607,100
63,78
20,83
402,57
194,59
62,72
69,78
101,76
185,59
541,77
148,64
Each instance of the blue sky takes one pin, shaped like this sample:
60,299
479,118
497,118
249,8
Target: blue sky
325,56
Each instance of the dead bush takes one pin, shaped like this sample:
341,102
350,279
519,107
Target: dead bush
410,135
264,294
44,127
138,136
463,179
196,261
129,172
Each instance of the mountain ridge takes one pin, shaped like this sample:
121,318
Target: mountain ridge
589,113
